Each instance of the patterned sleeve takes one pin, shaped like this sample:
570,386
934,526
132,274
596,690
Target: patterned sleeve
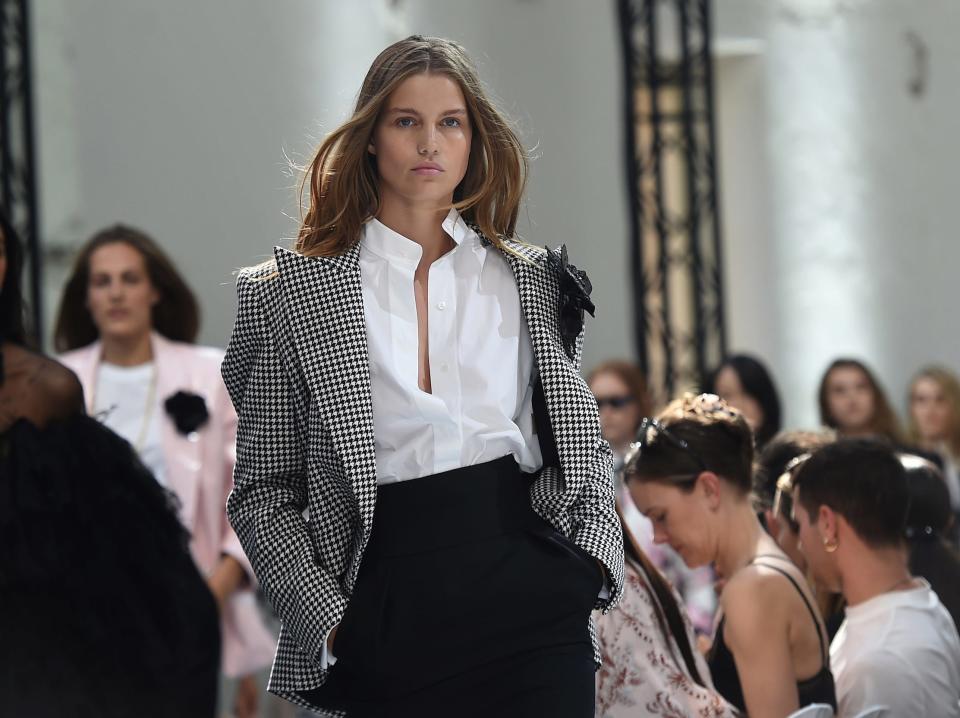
269,496
594,512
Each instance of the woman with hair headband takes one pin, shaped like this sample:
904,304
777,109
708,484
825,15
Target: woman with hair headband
127,323
692,477
421,484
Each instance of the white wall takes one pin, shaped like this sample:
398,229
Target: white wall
839,189
837,185
175,117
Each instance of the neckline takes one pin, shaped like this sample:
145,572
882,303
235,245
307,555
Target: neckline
392,246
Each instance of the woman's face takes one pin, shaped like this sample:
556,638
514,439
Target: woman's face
619,411
422,141
682,519
729,388
930,409
850,400
120,296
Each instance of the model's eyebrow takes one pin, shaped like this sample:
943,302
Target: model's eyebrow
411,111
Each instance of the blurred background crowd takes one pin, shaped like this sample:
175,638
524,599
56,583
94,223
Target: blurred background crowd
163,143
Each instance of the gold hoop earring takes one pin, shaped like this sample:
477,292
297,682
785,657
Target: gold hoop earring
830,545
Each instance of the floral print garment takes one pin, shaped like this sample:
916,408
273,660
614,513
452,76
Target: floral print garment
642,674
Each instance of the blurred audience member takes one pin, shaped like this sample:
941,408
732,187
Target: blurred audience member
127,321
692,477
935,426
928,520
648,649
102,610
853,403
898,646
622,401
745,384
775,468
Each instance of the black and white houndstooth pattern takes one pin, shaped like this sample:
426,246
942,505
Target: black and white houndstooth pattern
305,480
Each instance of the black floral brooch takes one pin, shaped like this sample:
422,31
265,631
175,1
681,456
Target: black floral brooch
188,411
575,288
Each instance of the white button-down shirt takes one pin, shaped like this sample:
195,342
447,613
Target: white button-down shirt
481,358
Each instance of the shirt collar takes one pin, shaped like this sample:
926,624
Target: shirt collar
394,247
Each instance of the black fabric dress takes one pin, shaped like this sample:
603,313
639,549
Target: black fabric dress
102,610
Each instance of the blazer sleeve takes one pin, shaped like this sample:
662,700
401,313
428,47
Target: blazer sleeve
269,494
229,542
593,515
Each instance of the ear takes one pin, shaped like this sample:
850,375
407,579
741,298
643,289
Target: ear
371,148
708,483
827,524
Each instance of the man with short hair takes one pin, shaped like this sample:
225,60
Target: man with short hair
898,646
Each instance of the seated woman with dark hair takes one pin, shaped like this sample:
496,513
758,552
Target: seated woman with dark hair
928,521
102,612
745,384
772,485
692,477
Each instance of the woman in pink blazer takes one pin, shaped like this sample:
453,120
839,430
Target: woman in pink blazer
127,322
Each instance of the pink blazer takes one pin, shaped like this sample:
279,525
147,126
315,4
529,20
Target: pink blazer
199,471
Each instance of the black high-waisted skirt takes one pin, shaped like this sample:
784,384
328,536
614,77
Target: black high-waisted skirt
466,604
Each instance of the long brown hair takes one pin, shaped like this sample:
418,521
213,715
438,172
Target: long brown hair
176,316
884,421
950,386
667,610
343,180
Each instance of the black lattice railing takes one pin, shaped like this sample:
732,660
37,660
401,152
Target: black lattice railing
672,181
18,187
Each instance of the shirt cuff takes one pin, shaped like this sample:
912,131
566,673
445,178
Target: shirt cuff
327,658
605,589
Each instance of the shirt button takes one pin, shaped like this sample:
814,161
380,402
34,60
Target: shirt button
441,305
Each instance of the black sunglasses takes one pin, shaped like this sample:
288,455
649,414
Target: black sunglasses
648,432
614,402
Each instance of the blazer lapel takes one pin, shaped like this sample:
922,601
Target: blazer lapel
324,311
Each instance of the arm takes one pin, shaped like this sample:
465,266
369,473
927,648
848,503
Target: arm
234,571
270,479
757,634
596,526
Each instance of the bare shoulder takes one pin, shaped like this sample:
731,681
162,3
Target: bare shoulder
755,594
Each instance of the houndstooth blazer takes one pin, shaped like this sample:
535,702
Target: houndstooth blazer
305,485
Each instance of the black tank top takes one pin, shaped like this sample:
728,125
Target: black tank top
723,669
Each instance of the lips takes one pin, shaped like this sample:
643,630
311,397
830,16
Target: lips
428,168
